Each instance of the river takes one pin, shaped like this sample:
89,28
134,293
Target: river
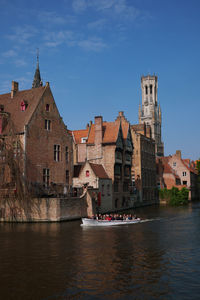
157,259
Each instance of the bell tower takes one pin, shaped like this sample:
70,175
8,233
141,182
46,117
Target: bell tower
150,113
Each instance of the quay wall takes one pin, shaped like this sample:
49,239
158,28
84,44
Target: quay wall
46,209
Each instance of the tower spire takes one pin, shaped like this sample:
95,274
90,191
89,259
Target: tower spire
37,82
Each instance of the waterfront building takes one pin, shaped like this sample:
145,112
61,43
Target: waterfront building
144,165
108,144
150,113
36,147
94,176
173,171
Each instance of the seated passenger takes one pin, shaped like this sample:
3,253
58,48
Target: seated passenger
130,217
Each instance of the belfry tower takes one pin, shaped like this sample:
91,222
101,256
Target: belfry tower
150,114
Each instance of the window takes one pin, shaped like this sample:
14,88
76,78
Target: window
67,177
146,89
117,170
103,190
47,125
125,187
24,105
16,148
108,189
83,140
174,164
66,154
57,152
151,88
47,108
116,203
184,173
115,186
87,173
184,182
46,177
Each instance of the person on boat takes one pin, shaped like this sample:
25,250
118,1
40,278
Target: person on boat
130,217
112,217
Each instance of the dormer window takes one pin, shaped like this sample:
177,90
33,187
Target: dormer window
24,105
83,140
47,108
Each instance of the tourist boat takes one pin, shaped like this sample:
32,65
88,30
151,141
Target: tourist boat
94,222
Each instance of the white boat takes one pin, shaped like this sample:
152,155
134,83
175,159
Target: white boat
94,222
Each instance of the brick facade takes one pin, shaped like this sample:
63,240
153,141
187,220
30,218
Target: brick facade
45,155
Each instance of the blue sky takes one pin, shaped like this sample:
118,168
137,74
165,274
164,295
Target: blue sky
94,52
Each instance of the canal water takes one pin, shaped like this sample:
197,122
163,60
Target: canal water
156,259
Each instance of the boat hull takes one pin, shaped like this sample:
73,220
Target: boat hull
91,222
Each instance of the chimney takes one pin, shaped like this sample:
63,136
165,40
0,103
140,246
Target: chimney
98,130
178,153
15,86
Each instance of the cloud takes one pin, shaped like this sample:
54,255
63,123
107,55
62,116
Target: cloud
116,8
23,34
9,53
20,62
79,5
54,39
73,39
52,18
92,44
97,25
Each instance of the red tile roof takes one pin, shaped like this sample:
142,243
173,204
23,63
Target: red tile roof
79,134
99,171
110,132
13,106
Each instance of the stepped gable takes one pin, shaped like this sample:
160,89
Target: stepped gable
189,166
12,105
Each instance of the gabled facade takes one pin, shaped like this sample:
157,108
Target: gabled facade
95,176
36,147
177,172
110,145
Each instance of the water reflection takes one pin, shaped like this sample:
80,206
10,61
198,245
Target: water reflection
152,260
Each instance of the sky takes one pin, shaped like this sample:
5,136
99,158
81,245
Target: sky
94,52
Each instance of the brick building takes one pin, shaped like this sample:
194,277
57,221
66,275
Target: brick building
174,171
94,175
35,143
144,164
108,144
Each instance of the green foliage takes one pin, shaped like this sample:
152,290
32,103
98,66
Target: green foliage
198,167
174,196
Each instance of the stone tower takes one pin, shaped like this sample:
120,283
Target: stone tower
150,113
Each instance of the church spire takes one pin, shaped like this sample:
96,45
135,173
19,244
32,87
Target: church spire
37,82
